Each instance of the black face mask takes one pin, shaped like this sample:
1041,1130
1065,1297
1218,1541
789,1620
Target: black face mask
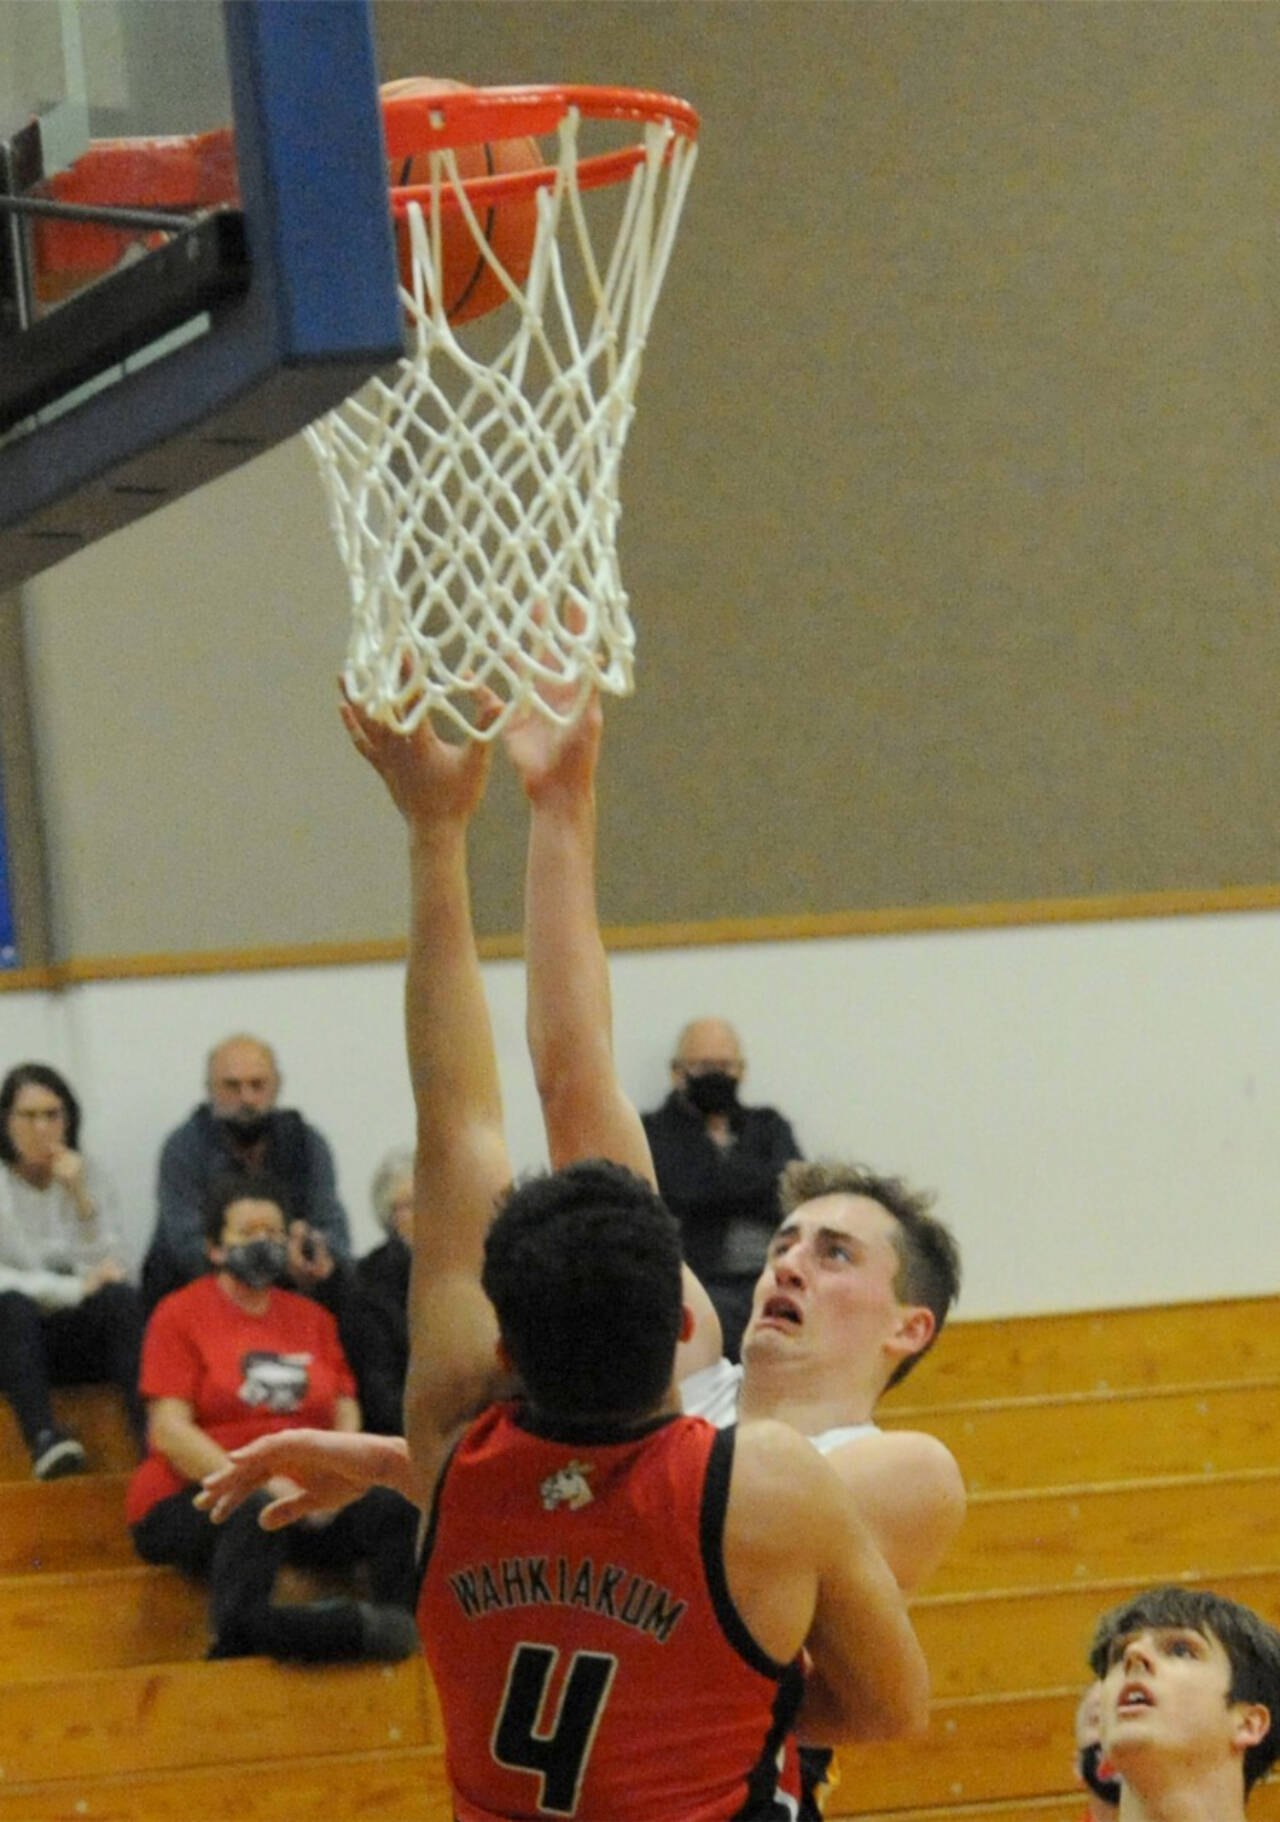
713,1092
1090,1757
256,1263
246,1125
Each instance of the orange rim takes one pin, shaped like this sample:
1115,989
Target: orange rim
417,124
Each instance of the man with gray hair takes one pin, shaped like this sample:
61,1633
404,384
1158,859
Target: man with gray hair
239,1130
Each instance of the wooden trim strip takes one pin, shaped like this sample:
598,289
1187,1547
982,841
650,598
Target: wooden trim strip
892,920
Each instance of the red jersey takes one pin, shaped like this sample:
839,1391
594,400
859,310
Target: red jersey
588,1657
242,1375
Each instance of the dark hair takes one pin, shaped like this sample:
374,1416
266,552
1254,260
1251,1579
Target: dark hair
35,1075
251,1187
928,1257
1252,1648
583,1269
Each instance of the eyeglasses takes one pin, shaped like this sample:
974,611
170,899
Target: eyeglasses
711,1066
38,1113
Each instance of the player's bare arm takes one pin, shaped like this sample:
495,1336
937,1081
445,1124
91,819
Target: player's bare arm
803,1566
569,1018
461,1164
328,1469
909,1491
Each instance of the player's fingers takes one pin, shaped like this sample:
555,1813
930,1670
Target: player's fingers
284,1511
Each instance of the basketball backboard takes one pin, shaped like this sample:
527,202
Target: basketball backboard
255,289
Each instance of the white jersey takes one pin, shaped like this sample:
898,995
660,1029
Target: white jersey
712,1392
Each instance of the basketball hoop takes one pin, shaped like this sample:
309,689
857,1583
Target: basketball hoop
475,501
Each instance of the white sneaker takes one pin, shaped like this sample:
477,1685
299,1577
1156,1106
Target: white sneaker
54,1453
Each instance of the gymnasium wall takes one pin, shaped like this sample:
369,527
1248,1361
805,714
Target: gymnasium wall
1097,1105
950,532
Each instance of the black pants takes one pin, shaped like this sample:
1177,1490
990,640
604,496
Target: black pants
240,1560
93,1341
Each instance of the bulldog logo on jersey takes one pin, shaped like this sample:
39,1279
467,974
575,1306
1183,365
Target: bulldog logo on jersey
567,1487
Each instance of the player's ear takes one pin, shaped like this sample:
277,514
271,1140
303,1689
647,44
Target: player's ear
687,1320
914,1331
1252,1724
502,1356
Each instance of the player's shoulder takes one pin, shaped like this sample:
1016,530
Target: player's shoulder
774,1463
903,1450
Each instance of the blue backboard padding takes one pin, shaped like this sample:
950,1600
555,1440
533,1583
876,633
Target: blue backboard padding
320,315
313,175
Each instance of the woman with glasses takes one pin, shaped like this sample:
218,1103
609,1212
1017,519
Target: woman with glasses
67,1314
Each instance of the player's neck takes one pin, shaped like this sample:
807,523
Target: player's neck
803,1394
1214,1797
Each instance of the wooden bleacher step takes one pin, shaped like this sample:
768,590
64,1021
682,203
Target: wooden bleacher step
1235,1338
57,1625
1038,1637
171,1717
397,1784
981,1750
76,1523
1045,1442
1147,1531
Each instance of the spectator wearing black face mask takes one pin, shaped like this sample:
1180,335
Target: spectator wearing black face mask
718,1164
240,1131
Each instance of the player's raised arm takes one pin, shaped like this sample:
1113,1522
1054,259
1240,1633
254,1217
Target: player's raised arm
461,1163
569,1016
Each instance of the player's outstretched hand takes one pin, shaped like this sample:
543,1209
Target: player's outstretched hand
549,757
329,1468
554,748
429,779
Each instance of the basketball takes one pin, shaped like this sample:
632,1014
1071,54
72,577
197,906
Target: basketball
470,286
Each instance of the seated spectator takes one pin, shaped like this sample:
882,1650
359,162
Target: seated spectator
231,1357
239,1130
1091,1768
718,1164
368,1298
380,1345
67,1316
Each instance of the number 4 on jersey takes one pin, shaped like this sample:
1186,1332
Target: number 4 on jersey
560,1756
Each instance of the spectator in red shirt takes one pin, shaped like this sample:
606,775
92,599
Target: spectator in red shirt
231,1357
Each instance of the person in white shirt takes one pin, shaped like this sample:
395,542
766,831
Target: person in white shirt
67,1313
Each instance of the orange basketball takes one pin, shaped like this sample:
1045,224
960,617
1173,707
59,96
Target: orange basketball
470,285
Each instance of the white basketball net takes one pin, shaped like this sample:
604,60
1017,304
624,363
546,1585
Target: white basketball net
475,503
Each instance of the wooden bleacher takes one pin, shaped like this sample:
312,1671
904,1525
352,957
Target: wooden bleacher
1124,1448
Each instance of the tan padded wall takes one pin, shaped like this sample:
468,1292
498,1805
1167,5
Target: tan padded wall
950,512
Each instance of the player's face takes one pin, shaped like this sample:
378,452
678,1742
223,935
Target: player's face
828,1283
242,1079
1164,1700
37,1126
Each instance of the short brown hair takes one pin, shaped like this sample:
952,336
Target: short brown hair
928,1257
1252,1648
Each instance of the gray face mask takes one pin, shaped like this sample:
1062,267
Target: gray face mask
256,1263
